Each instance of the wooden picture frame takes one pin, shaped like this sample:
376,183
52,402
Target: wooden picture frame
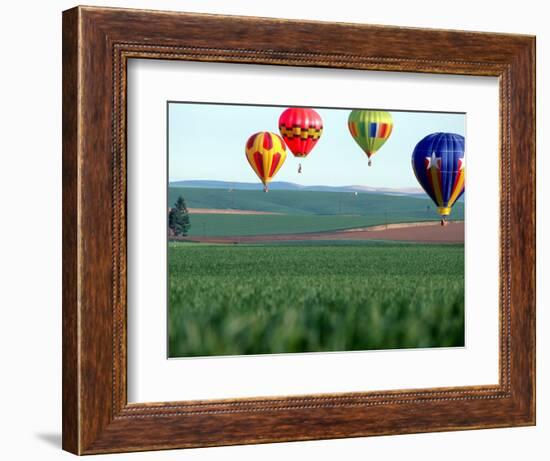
97,43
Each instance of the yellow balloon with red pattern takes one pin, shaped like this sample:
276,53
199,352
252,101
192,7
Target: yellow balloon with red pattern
266,153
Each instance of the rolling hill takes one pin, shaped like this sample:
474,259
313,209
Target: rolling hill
300,210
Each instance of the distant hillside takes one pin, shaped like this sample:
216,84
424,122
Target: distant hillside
301,210
282,185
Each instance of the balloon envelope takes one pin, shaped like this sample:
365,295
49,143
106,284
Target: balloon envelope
370,129
266,153
301,129
438,163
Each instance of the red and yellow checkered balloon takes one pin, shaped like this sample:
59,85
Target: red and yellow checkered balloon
266,153
301,129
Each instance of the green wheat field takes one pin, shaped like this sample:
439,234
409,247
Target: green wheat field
313,297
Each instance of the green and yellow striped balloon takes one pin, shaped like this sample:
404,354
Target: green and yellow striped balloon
370,129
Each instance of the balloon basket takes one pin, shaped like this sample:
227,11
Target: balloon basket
266,190
370,162
299,167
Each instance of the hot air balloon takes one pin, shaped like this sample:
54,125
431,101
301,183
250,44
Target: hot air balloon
370,129
266,153
301,128
438,163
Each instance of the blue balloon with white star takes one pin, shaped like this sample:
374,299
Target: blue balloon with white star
438,164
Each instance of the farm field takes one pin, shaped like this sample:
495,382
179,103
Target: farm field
326,296
423,232
300,211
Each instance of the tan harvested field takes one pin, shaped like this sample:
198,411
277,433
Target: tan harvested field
226,211
431,232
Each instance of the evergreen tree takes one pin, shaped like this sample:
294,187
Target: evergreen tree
178,218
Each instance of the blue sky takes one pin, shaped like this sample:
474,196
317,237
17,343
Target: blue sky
206,141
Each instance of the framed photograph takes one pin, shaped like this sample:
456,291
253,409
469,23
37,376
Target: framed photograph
328,264
272,240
